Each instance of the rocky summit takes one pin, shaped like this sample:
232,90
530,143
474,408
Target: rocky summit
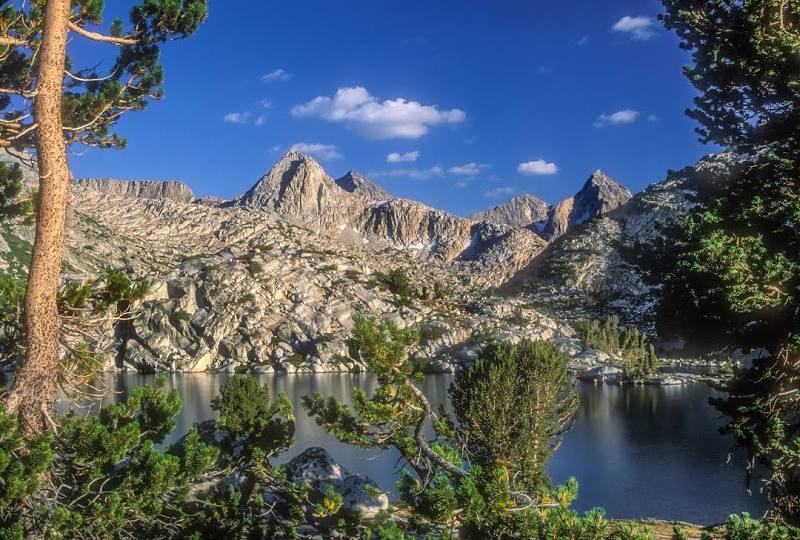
519,211
356,183
599,195
271,279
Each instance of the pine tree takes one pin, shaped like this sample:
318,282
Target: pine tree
515,403
48,104
741,252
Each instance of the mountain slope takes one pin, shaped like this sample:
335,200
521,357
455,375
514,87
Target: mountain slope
586,273
355,209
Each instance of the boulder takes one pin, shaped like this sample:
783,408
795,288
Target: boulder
602,374
360,495
362,498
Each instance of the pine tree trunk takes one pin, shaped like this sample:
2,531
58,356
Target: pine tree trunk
35,389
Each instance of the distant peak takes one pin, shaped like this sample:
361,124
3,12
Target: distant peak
354,182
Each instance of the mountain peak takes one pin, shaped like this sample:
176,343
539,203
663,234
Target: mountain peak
359,184
599,195
519,211
295,177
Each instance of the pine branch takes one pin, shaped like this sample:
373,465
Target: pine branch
101,37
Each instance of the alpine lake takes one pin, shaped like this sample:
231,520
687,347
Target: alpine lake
638,451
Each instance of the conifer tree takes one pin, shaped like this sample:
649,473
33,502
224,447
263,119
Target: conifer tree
742,250
46,104
515,403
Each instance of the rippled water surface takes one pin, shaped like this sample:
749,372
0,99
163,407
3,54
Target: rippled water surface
636,451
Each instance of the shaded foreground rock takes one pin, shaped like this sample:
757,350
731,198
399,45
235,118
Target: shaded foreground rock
360,495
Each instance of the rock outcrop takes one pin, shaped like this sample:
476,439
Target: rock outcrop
315,467
354,182
172,190
599,195
271,280
520,211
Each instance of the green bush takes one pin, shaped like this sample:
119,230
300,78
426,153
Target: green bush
744,527
397,282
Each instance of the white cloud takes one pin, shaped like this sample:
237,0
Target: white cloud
652,118
279,74
498,192
237,118
407,157
467,169
461,184
389,119
265,103
276,148
625,116
583,41
414,174
537,167
322,151
641,28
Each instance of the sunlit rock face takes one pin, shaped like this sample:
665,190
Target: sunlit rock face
520,211
599,195
171,190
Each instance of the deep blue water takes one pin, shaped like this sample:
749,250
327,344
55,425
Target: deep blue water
637,451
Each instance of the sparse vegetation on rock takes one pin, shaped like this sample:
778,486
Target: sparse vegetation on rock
637,354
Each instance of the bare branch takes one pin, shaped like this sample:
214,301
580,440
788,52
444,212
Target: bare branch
101,37
7,41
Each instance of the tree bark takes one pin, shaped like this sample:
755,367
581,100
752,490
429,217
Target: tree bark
35,389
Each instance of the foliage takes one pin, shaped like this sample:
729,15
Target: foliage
87,308
12,298
21,467
250,421
679,533
11,206
250,431
432,331
397,282
109,476
93,100
740,250
446,497
639,356
515,403
104,474
744,527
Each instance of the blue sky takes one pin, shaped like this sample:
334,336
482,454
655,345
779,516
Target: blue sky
479,100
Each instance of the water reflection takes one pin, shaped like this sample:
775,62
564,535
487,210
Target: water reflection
636,451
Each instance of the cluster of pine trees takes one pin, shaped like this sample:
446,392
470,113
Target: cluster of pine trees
637,353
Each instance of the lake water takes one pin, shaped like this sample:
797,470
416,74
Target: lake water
637,451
